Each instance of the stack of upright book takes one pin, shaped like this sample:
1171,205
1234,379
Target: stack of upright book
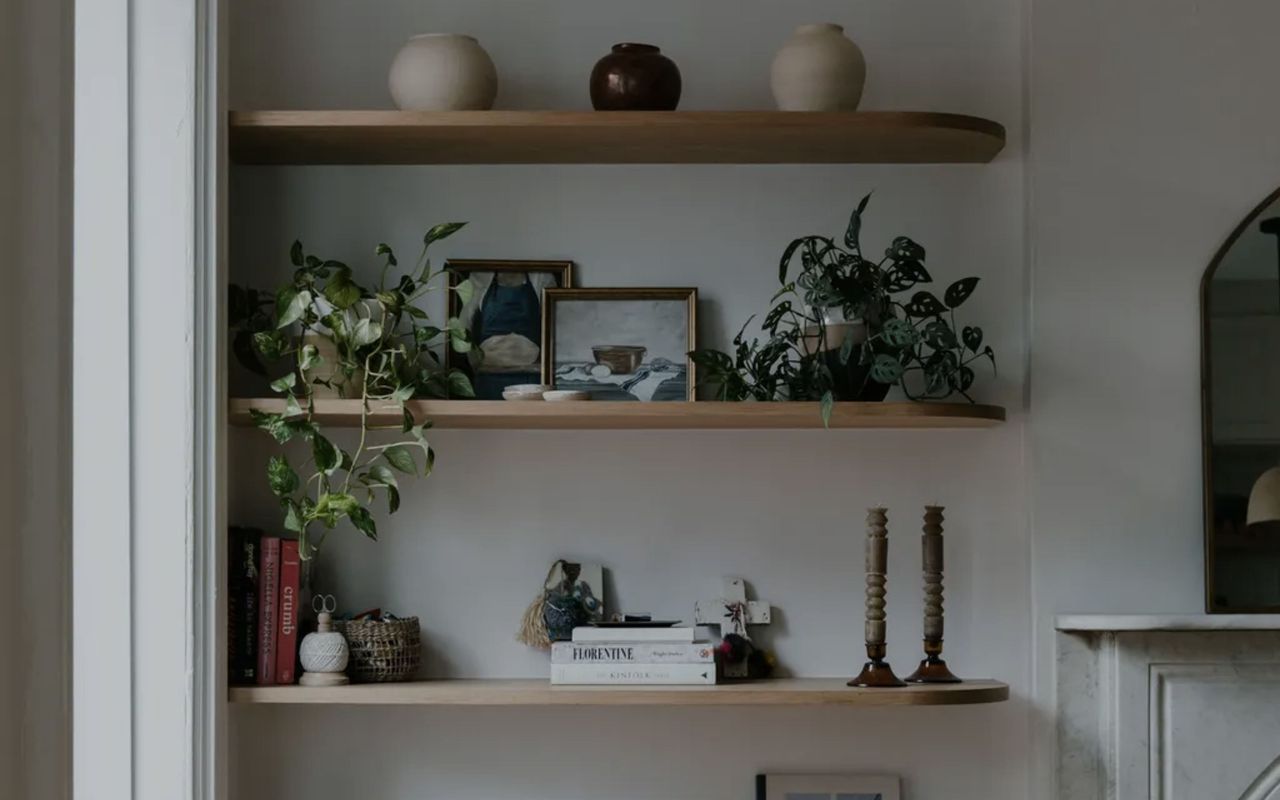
633,657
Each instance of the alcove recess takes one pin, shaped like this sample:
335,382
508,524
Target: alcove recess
574,137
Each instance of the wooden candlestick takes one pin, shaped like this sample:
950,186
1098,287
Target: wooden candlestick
933,669
876,672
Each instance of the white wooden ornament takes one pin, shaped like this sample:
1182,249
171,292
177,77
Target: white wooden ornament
732,613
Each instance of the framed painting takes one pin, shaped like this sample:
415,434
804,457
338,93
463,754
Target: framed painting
827,787
504,319
620,344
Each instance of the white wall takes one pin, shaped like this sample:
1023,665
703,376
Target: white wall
34,437
669,513
1152,135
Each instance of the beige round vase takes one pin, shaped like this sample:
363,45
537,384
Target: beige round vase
819,69
443,72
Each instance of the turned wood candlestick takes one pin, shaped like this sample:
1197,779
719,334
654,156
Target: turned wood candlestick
933,669
876,672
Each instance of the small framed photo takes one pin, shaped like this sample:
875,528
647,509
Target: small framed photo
620,344
827,787
504,318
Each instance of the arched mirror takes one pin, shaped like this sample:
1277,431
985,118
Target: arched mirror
1240,310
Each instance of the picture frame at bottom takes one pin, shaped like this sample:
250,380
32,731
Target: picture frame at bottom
621,344
828,787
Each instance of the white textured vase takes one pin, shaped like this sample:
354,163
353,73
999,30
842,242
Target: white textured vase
819,69
443,72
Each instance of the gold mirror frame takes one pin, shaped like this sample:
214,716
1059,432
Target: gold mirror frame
1206,411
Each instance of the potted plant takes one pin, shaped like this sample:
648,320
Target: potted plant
841,330
324,333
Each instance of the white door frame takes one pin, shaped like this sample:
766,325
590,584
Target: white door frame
148,699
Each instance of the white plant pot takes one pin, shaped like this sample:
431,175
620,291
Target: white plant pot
443,72
819,69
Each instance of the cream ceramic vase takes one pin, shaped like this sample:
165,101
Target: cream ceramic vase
443,72
819,69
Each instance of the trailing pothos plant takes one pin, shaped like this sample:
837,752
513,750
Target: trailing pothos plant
324,329
911,342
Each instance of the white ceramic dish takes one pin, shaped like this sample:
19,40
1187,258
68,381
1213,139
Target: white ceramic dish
522,396
565,396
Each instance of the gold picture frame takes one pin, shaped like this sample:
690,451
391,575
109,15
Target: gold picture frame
602,373
460,269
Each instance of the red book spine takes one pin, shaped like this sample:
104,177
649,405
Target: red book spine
268,600
287,620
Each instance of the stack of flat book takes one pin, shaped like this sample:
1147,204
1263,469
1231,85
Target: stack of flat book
633,657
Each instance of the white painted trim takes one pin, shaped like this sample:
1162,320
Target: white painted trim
101,568
147,411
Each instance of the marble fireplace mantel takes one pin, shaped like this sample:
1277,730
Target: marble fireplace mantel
1168,707
1103,623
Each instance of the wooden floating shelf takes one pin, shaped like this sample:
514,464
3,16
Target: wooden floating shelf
618,137
500,414
794,692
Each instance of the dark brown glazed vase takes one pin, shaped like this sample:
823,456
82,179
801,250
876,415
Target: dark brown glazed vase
635,77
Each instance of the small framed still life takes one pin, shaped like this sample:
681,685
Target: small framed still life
827,787
621,344
504,319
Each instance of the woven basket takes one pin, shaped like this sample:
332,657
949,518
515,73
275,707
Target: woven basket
382,652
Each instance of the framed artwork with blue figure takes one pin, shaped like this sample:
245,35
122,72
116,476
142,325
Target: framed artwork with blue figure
621,344
504,319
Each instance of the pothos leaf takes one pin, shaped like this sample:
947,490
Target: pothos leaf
281,477
291,305
284,383
466,290
442,231
363,520
828,404
309,357
401,458
325,454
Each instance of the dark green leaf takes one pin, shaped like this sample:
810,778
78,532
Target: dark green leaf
898,333
401,458
905,274
903,249
963,379
442,231
939,336
325,454
384,250
853,233
827,406
363,520
426,335
972,337
460,384
886,369
846,347
341,290
959,291
382,475
281,477
295,253
924,304
787,255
